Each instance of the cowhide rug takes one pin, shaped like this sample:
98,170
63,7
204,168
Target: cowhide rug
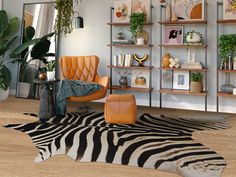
159,142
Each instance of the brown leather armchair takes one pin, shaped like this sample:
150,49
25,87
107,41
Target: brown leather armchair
83,68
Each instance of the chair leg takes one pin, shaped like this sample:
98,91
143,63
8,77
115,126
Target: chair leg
85,107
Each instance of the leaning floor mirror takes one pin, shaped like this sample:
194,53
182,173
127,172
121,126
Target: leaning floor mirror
37,34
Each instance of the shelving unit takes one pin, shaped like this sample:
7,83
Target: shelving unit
162,46
226,73
132,47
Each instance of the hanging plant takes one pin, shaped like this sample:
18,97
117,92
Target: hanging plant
64,16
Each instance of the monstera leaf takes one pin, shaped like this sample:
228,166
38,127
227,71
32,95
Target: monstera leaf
5,77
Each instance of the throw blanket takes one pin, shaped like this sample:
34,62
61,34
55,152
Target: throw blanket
158,142
73,88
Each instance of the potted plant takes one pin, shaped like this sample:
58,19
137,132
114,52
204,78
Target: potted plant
50,67
39,52
193,37
64,16
136,26
7,29
227,46
196,85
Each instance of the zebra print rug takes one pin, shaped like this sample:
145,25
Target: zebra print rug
158,142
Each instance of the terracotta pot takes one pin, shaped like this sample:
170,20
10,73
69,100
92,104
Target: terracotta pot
196,87
166,60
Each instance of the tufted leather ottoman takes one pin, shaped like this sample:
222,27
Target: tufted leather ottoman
120,109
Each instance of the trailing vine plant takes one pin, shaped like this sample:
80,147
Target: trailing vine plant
64,15
137,21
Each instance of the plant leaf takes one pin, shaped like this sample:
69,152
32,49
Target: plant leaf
3,20
12,27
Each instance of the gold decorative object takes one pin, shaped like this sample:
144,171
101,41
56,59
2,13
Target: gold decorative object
140,60
42,76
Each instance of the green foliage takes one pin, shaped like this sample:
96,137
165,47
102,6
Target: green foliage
197,77
7,29
50,66
38,52
64,16
136,24
227,44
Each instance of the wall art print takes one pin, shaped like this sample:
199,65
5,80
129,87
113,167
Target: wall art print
188,9
229,9
142,6
181,80
140,78
173,35
122,11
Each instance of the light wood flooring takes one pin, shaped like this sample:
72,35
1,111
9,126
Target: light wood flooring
17,152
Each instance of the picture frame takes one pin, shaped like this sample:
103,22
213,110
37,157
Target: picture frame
181,80
142,6
229,11
188,10
140,78
122,11
173,35
167,79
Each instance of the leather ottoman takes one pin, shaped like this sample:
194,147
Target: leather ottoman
120,109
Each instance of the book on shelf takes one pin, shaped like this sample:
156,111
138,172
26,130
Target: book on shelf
122,60
121,41
191,65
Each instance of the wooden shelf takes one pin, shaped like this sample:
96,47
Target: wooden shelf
183,22
117,87
183,46
226,21
226,95
184,69
126,24
227,71
181,92
130,45
132,67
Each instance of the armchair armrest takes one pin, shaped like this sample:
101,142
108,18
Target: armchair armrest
104,81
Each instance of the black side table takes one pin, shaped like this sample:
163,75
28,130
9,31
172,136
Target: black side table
47,105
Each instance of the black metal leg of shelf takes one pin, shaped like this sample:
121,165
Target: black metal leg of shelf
206,103
217,104
160,100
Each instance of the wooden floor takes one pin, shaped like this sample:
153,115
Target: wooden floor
17,152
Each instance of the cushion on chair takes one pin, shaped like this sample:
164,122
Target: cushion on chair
120,108
82,68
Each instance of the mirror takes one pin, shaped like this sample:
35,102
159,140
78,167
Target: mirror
40,16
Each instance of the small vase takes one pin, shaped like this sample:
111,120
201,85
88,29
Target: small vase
123,81
166,60
140,41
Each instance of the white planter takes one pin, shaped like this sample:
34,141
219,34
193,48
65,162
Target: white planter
194,38
23,89
50,75
140,41
4,94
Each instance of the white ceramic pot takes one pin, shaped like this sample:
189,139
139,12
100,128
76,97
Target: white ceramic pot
50,75
23,89
140,41
4,94
193,38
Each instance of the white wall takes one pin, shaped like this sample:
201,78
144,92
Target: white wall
93,39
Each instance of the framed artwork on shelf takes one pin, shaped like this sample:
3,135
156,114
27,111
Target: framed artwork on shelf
173,35
188,10
140,78
181,80
142,6
167,79
122,11
229,9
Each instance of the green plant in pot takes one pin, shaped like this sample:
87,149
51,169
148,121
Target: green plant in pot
7,29
50,67
136,26
196,85
64,16
227,47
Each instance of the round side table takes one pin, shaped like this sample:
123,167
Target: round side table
47,105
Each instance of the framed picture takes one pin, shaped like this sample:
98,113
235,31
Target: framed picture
229,9
173,35
142,6
188,10
140,78
167,79
122,11
181,80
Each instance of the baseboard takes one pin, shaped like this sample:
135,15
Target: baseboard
12,92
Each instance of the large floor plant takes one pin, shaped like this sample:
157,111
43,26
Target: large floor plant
7,28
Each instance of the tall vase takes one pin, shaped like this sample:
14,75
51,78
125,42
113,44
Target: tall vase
173,14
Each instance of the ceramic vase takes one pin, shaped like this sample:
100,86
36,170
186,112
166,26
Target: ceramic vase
50,75
123,81
166,60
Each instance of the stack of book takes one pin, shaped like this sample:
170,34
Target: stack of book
191,65
122,41
122,60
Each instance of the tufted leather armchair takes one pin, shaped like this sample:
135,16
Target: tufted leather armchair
83,68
